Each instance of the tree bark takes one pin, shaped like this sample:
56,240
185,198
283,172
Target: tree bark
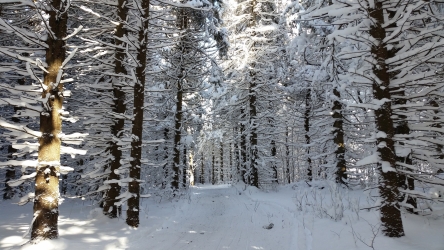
307,131
287,155
110,197
254,175
178,121
338,138
273,161
46,204
388,178
221,164
213,167
139,100
184,167
166,170
202,173
243,148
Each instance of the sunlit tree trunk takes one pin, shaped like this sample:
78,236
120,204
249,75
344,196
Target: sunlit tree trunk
46,204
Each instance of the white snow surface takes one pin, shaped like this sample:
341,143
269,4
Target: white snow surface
222,217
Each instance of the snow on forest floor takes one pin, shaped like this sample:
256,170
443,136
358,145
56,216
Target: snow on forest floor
228,217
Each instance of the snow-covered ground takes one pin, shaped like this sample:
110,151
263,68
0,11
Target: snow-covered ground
228,217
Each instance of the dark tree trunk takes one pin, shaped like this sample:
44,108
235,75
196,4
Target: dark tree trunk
166,165
213,174
388,178
254,177
184,167
287,156
273,161
237,157
182,20
254,174
243,148
202,170
177,136
46,204
307,131
132,218
338,138
439,147
119,107
221,163
230,163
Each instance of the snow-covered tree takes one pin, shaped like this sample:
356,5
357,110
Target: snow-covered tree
398,48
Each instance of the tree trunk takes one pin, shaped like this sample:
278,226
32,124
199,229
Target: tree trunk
213,175
388,178
287,154
202,173
139,100
221,163
307,131
273,161
166,172
46,204
338,138
177,136
243,148
439,147
183,25
230,163
254,177
119,107
184,167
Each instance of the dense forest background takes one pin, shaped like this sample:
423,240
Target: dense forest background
116,100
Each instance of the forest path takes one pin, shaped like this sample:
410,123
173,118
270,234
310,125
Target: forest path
224,217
